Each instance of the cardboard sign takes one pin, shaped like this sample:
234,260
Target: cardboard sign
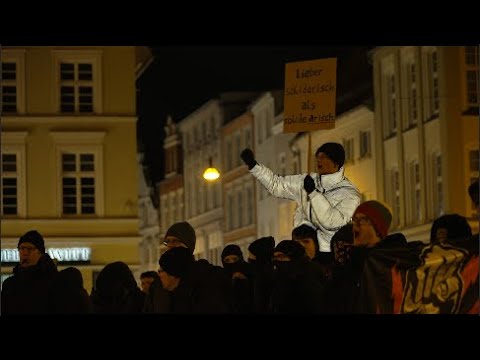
310,95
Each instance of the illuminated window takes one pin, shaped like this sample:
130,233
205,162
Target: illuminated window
437,185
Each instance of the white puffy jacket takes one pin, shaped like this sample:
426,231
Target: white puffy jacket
327,208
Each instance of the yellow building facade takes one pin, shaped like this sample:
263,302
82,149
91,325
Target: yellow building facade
68,151
426,133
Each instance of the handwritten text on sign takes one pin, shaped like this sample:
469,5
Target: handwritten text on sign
310,95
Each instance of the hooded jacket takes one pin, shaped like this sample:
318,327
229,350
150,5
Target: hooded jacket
329,207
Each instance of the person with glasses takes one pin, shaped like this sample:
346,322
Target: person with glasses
371,222
29,290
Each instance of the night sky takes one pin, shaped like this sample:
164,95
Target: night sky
182,78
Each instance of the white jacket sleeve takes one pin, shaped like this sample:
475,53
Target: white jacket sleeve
333,217
286,187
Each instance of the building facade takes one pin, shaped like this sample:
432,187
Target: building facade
426,133
68,150
238,184
171,189
201,133
148,222
274,215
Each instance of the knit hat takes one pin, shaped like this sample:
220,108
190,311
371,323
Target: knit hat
456,225
33,237
176,261
185,233
232,249
334,151
263,248
291,248
379,215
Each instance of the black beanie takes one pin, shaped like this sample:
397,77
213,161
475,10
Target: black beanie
34,238
232,249
291,248
334,151
176,261
263,248
185,233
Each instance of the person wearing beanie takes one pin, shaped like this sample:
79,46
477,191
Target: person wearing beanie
189,287
371,222
261,250
307,237
175,263
29,290
181,234
326,199
31,247
449,227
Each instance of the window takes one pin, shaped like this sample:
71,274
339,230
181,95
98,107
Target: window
365,146
394,195
392,105
80,173
13,180
78,183
9,87
349,151
437,185
79,81
12,81
472,68
9,184
415,199
412,99
76,88
431,94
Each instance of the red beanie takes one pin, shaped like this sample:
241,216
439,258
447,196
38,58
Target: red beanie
378,214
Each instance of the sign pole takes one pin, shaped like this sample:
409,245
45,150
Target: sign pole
309,152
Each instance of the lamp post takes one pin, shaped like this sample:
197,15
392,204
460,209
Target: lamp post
211,174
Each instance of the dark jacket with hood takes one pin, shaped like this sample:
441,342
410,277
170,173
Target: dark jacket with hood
29,290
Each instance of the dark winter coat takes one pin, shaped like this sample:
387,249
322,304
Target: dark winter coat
29,290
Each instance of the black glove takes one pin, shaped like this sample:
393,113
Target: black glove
248,158
308,184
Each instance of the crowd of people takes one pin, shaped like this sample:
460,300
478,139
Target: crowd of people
318,271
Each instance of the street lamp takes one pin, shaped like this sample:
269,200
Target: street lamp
211,173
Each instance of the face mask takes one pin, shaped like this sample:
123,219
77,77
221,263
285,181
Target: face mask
282,266
232,267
